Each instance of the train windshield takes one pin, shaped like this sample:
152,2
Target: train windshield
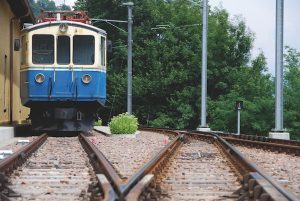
63,50
43,49
83,50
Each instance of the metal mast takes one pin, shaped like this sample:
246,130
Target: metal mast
129,59
279,66
204,65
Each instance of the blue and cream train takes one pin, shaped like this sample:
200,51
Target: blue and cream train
63,74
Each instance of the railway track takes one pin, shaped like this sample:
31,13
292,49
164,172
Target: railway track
57,169
193,166
287,146
130,158
197,171
170,182
278,158
283,167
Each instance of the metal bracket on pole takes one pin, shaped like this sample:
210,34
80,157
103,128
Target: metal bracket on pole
95,20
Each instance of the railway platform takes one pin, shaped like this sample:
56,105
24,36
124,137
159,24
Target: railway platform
8,133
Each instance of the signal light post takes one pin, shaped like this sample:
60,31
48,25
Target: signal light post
239,106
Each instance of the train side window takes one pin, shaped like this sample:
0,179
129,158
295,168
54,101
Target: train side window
102,51
24,50
83,50
43,49
63,50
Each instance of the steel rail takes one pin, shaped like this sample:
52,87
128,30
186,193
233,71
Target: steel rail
10,163
269,145
242,136
102,164
245,166
252,167
259,138
151,165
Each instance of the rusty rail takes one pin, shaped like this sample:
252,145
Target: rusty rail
256,183
260,139
135,185
246,167
152,164
103,168
293,149
16,159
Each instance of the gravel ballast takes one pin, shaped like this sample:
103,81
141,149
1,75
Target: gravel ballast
128,154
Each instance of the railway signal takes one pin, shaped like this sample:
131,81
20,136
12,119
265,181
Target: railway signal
239,105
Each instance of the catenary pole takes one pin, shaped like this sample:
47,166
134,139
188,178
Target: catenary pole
204,65
279,66
129,59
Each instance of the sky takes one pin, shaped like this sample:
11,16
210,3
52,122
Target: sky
260,18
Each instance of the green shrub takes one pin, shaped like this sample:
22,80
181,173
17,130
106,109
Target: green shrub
123,124
98,123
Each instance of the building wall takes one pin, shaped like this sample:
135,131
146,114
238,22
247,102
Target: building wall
19,113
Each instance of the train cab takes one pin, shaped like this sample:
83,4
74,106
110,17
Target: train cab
63,72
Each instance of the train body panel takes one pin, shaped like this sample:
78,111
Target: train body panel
63,85
63,74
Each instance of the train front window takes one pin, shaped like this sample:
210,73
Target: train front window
63,50
83,50
43,49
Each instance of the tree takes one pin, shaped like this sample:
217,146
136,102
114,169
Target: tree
63,7
256,90
292,92
167,62
41,5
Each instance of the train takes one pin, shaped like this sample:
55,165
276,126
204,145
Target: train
63,71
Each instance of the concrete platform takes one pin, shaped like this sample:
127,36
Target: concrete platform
203,129
10,134
279,135
105,130
6,135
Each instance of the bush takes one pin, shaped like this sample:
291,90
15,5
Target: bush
123,124
98,123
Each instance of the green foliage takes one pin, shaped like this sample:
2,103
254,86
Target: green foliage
39,5
98,123
123,124
167,68
63,7
47,5
292,92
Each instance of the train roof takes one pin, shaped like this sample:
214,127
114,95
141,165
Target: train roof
57,23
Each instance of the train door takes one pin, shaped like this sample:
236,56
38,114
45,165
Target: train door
64,75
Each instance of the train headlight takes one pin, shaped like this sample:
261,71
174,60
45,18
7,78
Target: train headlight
86,79
40,78
63,27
